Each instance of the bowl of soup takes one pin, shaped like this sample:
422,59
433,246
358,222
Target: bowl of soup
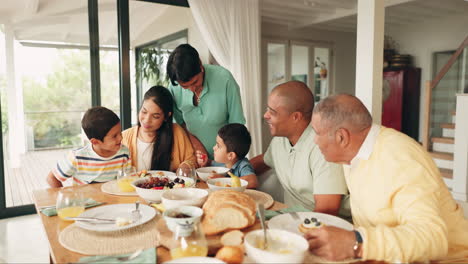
206,172
226,183
283,246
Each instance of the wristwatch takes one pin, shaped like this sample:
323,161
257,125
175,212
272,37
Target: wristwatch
357,244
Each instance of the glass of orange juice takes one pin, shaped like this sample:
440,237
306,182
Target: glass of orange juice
70,203
189,241
125,177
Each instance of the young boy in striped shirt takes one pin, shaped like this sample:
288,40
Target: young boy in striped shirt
98,161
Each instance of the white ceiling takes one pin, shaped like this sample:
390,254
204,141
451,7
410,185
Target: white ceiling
67,21
340,15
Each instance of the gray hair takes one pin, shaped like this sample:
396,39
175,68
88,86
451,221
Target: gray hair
343,110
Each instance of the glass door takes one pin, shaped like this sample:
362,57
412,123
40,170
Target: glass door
275,58
151,60
285,60
311,64
321,73
300,67
45,89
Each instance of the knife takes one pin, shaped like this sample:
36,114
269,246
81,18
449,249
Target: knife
91,219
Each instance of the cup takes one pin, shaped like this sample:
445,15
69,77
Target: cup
188,241
125,177
70,203
186,171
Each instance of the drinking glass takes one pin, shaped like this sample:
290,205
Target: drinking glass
189,241
189,172
125,177
70,203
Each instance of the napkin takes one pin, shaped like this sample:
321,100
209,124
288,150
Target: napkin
296,208
51,211
147,256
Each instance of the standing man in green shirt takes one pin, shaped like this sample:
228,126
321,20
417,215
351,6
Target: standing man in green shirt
206,97
307,178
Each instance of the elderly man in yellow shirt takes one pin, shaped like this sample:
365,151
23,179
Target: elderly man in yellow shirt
402,209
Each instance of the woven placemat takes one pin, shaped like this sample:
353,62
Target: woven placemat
89,242
260,197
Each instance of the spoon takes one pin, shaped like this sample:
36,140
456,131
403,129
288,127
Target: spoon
130,257
114,258
261,215
136,215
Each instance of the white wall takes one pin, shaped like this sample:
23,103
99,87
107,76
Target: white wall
423,39
343,45
175,19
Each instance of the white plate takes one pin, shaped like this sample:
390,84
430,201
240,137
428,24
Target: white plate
158,173
287,222
196,260
113,211
111,187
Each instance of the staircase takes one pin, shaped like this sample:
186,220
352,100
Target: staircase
441,129
443,149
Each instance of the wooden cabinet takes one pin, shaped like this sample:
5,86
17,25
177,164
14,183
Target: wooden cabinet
400,108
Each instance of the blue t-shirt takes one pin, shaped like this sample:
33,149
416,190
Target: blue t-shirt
240,168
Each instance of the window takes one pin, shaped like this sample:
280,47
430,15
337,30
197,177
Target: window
151,60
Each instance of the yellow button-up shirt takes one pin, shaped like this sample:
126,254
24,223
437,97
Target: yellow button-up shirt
400,203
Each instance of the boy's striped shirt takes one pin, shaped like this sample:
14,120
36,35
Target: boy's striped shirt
85,166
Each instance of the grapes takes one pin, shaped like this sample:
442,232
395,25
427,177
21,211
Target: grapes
160,182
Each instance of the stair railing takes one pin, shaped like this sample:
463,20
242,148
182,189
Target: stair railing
429,86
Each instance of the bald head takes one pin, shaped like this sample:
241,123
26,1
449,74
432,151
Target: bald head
343,110
296,97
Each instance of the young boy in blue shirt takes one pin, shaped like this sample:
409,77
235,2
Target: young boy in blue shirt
232,144
98,161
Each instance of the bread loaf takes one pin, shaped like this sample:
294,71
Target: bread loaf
227,210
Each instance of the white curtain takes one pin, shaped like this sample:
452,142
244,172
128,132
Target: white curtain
231,29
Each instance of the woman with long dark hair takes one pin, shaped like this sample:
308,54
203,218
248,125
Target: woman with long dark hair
156,143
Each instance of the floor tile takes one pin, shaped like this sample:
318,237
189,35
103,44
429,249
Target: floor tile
24,240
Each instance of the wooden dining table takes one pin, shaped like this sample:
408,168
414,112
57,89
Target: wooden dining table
53,225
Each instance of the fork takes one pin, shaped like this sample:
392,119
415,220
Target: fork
295,216
136,214
261,215
130,257
113,258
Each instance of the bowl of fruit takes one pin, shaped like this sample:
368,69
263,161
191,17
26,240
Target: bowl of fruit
151,188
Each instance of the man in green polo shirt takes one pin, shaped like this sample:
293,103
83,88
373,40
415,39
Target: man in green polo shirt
206,97
307,178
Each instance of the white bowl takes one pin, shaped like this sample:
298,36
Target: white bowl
212,184
205,172
184,196
294,246
155,195
172,222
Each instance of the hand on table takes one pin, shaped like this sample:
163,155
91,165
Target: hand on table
331,243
